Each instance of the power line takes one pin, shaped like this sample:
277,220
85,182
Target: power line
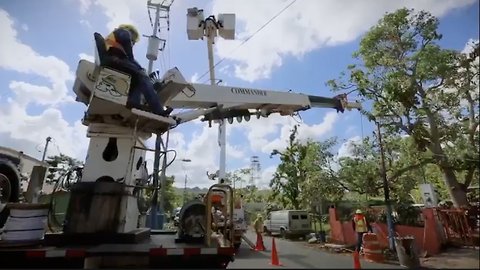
247,39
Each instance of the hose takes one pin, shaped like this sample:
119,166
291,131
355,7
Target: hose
65,182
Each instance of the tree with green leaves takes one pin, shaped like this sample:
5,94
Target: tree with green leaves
361,172
419,89
321,182
63,160
171,198
59,165
286,182
304,176
237,178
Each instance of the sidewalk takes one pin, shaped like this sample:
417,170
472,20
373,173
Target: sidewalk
453,259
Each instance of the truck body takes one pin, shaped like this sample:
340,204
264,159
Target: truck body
101,222
158,251
193,245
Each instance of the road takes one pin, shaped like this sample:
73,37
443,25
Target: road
296,255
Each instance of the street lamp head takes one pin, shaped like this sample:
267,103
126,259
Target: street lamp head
197,25
186,160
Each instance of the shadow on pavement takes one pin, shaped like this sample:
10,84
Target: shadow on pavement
247,253
297,259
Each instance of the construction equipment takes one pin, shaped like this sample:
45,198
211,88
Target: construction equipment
101,226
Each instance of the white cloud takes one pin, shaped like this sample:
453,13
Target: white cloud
202,150
22,58
85,5
22,127
24,27
260,131
86,23
470,45
86,57
118,11
306,26
346,148
235,152
267,175
194,78
24,131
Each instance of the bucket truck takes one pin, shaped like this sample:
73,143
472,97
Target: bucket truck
101,227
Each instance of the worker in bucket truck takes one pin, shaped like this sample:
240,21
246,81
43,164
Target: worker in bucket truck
119,45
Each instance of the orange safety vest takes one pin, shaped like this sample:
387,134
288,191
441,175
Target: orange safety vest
360,224
111,42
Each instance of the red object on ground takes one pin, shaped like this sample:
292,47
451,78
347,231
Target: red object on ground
356,261
275,261
259,246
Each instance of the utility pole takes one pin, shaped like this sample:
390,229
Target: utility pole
186,178
198,28
152,55
386,191
210,33
46,147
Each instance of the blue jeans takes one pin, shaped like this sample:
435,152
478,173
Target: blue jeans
359,241
141,84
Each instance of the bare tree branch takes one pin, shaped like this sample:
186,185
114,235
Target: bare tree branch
401,171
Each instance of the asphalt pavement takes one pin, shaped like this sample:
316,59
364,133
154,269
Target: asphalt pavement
295,254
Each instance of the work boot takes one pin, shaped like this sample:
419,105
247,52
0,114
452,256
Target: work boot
169,110
166,112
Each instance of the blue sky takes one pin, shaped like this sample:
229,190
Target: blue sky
304,47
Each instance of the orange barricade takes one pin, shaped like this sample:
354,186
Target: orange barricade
371,248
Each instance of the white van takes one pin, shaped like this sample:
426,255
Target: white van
288,223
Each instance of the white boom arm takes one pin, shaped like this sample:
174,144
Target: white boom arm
211,101
232,102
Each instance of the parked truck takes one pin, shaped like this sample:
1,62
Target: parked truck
15,166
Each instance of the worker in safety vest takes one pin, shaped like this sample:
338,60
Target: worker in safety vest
360,226
119,45
258,226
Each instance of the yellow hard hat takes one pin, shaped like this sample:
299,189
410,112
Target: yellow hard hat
133,31
358,211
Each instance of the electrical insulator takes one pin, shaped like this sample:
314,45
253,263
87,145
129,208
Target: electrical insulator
153,47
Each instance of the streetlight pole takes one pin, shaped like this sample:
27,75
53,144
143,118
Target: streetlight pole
47,141
386,191
186,177
199,27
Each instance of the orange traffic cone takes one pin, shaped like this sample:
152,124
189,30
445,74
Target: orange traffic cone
259,245
356,260
275,260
